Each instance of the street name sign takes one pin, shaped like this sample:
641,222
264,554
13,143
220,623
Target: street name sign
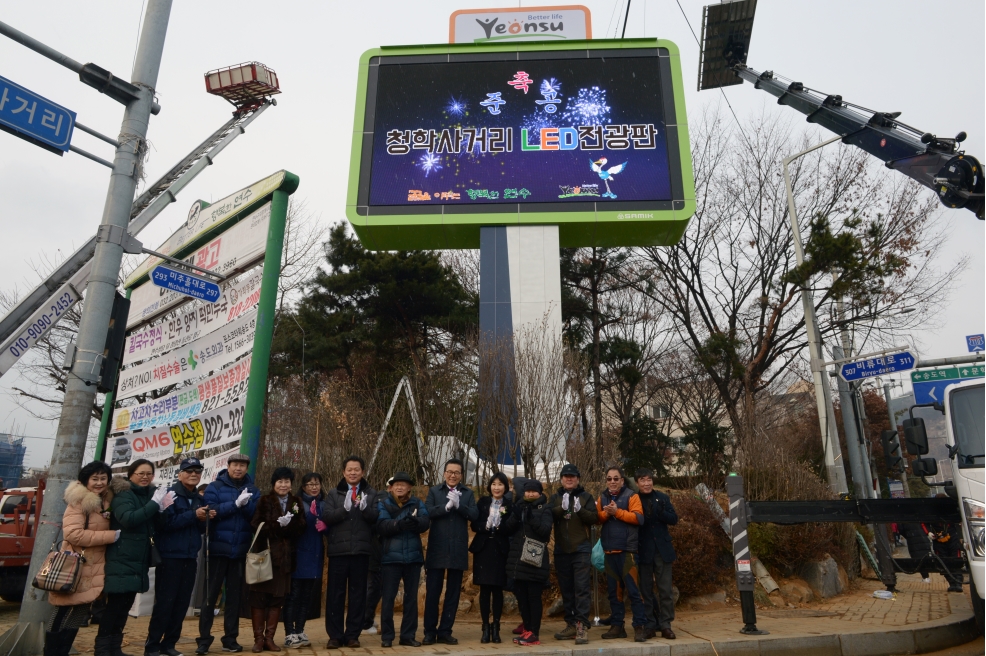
185,283
872,367
929,384
976,342
34,118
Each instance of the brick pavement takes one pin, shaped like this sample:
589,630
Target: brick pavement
920,618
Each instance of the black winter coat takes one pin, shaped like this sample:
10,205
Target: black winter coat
528,519
654,538
448,541
282,540
490,548
351,531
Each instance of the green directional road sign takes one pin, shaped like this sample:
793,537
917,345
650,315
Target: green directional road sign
929,384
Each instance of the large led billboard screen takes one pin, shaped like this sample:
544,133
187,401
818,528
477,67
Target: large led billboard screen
591,138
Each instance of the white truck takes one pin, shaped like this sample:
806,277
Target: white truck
965,416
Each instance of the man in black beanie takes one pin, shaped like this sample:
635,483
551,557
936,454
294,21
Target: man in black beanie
574,512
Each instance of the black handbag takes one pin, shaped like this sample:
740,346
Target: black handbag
155,554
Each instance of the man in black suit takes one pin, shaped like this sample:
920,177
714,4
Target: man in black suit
656,555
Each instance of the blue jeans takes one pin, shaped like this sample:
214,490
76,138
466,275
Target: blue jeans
621,581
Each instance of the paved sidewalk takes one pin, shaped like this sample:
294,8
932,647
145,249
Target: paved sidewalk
922,618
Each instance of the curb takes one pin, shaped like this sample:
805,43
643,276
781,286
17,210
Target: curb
917,640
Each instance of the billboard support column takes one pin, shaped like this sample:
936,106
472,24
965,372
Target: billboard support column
520,293
253,414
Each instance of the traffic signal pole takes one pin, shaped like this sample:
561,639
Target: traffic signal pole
902,477
27,636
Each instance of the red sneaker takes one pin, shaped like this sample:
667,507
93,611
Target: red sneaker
520,629
523,636
528,640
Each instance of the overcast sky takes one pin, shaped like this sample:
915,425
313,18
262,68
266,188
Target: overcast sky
924,59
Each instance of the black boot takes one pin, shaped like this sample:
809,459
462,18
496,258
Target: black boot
486,633
495,632
103,646
59,643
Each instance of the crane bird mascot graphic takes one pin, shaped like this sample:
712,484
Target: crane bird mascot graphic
606,175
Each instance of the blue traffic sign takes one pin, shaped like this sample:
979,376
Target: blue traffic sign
35,118
872,367
976,342
929,384
185,283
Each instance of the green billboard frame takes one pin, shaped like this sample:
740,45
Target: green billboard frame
603,228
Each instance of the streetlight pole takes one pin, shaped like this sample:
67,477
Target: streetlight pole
27,636
826,415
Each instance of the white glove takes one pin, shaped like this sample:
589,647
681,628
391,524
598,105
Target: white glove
348,502
453,497
158,498
117,537
169,499
243,499
564,501
284,519
577,506
362,502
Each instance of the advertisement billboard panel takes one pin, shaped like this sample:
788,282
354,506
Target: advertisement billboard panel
587,135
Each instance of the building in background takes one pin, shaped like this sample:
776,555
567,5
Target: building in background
12,452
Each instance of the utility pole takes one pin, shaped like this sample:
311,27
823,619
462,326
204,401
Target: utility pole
834,469
27,637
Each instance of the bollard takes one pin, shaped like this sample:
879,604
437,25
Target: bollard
742,560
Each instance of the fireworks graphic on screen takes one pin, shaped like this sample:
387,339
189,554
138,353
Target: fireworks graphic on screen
430,162
456,106
549,86
587,108
533,124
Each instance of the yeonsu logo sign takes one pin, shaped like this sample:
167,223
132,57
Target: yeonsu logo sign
520,24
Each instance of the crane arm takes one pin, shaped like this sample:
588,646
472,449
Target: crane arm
934,162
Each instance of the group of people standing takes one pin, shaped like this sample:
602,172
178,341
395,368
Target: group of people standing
373,543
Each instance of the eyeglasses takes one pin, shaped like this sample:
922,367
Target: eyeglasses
193,471
453,473
617,479
313,484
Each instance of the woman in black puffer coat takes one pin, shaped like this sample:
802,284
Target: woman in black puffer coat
530,520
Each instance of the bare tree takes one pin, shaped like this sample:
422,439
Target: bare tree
731,283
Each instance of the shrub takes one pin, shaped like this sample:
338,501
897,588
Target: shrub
704,563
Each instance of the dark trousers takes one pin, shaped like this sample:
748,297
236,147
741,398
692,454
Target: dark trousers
528,595
392,576
228,571
574,581
297,604
114,618
488,593
174,579
374,592
346,573
621,582
433,592
59,642
659,608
